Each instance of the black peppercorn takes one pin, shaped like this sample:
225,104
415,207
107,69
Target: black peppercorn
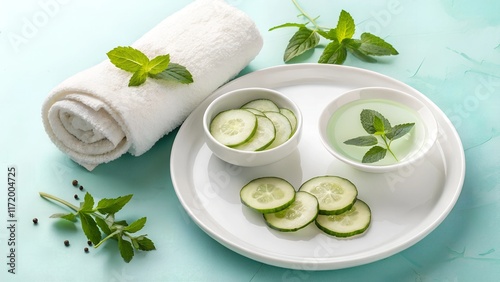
89,243
75,182
35,220
86,249
66,243
76,197
81,188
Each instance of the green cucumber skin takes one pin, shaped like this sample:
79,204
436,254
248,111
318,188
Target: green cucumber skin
338,211
297,227
268,210
288,230
342,235
264,211
214,127
347,234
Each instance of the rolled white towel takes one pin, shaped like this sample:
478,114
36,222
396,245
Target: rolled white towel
94,117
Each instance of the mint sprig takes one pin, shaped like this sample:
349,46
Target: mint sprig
379,127
132,60
99,218
341,41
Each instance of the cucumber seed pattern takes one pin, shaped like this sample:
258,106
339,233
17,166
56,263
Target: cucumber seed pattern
233,127
266,193
328,192
347,218
294,211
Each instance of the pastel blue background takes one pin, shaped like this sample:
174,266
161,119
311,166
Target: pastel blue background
449,50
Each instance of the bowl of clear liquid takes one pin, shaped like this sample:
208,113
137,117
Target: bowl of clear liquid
377,129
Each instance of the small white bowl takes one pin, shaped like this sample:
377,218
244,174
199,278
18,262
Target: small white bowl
340,121
236,99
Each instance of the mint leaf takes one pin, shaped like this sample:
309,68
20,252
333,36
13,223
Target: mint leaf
133,60
158,64
287,25
67,216
368,140
375,46
326,34
145,244
376,153
345,26
136,225
334,53
102,225
102,218
175,72
304,39
375,123
307,38
126,250
367,117
138,78
112,206
331,34
399,131
90,228
121,223
88,203
352,46
127,58
378,125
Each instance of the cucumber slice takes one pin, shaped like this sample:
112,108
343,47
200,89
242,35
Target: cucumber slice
291,117
263,105
283,128
233,127
335,194
298,215
350,223
267,194
255,112
262,138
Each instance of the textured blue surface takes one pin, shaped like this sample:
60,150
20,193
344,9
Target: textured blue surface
449,50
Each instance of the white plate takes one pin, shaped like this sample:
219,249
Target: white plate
406,205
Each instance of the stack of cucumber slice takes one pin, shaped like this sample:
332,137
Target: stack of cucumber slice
330,201
258,125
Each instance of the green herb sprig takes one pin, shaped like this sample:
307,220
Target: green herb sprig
376,124
132,60
102,218
340,37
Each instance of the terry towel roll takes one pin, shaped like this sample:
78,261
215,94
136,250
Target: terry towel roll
94,117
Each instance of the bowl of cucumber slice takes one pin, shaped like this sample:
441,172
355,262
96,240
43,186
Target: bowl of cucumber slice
252,126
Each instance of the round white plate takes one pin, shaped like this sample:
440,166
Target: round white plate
406,205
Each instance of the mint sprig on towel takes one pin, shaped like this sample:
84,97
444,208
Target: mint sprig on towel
340,40
134,61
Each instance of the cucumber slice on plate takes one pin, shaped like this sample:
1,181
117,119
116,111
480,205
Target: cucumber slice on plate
350,223
298,215
283,128
335,194
262,138
267,194
263,105
233,127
